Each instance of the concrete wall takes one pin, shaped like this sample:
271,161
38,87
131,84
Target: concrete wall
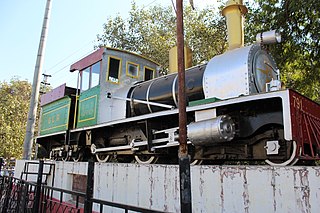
227,189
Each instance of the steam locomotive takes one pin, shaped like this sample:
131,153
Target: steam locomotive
236,109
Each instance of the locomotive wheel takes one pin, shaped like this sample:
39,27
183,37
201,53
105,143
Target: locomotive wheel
65,158
146,159
291,161
52,156
195,162
102,158
77,155
191,150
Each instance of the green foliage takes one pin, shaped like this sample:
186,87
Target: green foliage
298,55
152,33
14,105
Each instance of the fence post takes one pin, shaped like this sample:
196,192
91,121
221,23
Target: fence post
24,194
89,191
38,188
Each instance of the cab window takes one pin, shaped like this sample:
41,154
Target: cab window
95,73
114,70
132,69
90,76
148,73
85,78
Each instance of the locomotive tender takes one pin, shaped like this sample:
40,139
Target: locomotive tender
236,108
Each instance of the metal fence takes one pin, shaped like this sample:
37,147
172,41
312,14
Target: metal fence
18,195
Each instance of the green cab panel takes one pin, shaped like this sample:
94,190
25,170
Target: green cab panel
55,116
88,107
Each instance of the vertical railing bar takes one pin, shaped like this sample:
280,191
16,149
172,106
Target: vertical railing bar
50,199
45,201
41,198
38,187
19,187
54,168
26,172
89,191
101,207
77,201
61,197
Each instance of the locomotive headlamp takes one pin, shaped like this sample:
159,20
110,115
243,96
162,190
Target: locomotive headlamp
269,37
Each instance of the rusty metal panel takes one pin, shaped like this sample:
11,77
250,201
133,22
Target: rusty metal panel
305,121
53,95
56,94
214,189
148,186
223,189
88,60
256,189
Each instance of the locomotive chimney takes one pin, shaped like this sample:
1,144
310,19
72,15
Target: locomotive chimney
173,59
234,11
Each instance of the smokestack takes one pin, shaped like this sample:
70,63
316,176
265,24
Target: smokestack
234,11
173,59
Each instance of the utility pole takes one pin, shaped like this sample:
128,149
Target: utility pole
184,161
28,141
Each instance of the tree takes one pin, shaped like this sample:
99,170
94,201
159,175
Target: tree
14,105
152,33
298,56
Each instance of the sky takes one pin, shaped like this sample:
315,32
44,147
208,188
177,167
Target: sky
73,27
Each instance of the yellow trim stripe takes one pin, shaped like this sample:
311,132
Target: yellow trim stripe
66,105
119,69
55,127
144,71
132,53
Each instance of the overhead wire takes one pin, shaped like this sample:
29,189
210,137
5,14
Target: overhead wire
69,64
87,53
67,57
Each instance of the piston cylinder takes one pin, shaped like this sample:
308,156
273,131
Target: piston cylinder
208,132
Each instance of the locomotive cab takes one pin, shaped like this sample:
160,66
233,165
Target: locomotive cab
106,72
